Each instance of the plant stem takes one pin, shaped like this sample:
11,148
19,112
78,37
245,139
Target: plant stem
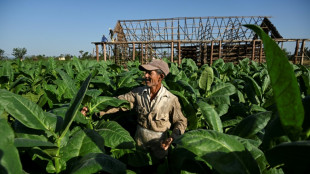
57,164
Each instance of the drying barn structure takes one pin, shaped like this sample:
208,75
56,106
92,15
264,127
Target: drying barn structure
203,39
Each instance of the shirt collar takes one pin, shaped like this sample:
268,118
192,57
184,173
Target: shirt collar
161,93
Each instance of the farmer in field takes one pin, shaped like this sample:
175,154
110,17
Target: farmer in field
157,110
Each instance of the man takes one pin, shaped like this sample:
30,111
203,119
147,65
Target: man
158,110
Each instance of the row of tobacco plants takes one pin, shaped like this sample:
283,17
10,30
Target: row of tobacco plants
242,118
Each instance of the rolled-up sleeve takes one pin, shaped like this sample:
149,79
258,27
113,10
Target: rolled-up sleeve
179,122
130,97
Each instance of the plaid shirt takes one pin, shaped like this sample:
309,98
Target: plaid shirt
159,114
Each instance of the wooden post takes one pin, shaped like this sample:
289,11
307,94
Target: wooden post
97,52
133,51
220,49
179,48
205,53
146,51
296,51
261,52
115,53
253,50
302,51
110,52
141,54
211,56
171,59
104,52
281,45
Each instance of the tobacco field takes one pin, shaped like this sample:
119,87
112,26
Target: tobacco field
242,118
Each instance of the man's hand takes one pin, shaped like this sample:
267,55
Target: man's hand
84,111
165,145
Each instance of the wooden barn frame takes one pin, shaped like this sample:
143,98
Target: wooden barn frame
203,39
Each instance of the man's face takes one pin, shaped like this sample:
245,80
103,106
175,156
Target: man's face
152,78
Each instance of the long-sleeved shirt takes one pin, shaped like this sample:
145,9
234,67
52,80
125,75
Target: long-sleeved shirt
159,114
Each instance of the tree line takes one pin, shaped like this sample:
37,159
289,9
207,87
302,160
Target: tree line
20,53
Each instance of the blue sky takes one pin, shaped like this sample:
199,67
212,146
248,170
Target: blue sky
67,26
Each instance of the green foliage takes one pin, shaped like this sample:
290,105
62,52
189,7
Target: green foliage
235,117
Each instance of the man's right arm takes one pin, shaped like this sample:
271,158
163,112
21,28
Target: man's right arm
128,96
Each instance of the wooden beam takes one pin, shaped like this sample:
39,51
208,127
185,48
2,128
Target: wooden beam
97,52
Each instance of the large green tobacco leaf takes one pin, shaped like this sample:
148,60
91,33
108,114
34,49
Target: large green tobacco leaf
9,157
294,156
69,83
284,85
95,162
30,114
220,93
102,102
74,106
252,124
114,135
82,143
77,64
211,116
206,79
224,153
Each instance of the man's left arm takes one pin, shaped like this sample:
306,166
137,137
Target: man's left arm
179,123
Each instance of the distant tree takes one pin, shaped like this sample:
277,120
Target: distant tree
1,54
19,53
81,52
68,56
